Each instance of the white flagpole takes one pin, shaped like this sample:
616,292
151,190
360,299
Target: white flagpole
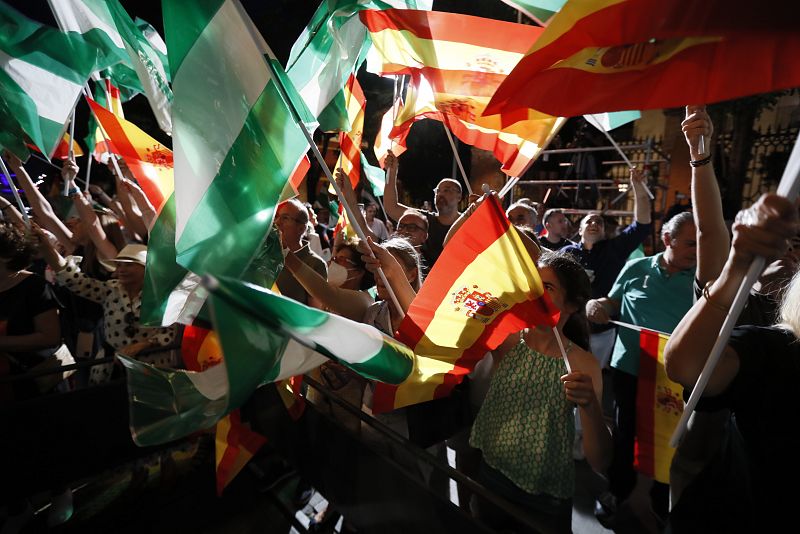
788,187
455,154
508,186
561,347
327,171
15,192
88,172
113,157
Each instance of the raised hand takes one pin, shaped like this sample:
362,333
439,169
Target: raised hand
696,124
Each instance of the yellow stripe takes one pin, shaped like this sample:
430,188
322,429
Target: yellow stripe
614,60
403,48
146,147
668,409
221,439
563,21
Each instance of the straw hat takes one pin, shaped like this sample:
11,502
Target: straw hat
128,254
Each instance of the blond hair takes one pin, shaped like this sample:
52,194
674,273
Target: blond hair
789,314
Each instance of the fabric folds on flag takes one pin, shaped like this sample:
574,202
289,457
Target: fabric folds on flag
539,11
232,159
484,287
456,62
200,348
42,72
610,55
659,405
350,141
235,445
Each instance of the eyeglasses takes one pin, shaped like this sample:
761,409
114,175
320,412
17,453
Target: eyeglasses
130,320
447,190
401,227
285,218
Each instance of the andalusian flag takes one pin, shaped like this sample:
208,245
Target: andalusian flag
456,62
235,445
484,287
611,121
659,405
139,65
149,161
538,11
609,55
329,51
234,158
42,72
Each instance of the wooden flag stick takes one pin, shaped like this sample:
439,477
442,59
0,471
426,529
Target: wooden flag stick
788,187
455,154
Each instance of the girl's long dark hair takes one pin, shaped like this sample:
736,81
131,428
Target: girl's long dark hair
577,291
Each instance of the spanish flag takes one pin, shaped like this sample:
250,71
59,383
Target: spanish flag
200,348
236,444
462,59
62,150
149,161
350,142
384,141
659,405
484,287
107,95
612,55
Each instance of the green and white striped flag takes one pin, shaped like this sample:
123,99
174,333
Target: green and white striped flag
615,119
140,64
236,140
42,72
333,46
265,338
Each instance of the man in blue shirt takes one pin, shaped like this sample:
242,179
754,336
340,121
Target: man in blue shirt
654,292
604,258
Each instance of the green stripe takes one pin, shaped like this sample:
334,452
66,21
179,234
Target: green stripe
183,23
235,213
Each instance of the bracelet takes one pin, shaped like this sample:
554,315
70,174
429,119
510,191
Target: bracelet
72,191
713,303
700,162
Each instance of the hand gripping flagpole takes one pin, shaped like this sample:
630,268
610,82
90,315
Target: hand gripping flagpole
327,171
113,157
789,187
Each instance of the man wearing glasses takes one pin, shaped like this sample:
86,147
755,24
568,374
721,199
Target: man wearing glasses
291,220
447,196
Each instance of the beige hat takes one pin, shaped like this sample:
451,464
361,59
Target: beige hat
128,254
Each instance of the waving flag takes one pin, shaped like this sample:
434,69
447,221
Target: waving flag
42,72
456,62
232,159
483,287
235,445
609,55
538,11
139,66
659,405
350,141
384,142
330,49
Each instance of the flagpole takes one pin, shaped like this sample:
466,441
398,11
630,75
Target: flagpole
327,171
561,348
105,139
88,172
455,154
15,192
637,328
70,152
508,186
591,120
788,187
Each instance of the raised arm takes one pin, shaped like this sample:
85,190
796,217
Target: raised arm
345,302
394,209
713,241
105,249
142,202
641,202
394,272
11,214
133,216
343,181
762,230
42,209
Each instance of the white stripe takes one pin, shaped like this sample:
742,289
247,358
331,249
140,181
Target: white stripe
298,359
75,15
362,342
207,120
211,383
53,95
185,301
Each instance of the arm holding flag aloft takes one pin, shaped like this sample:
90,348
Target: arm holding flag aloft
395,274
350,197
11,214
641,200
133,216
394,209
142,202
761,230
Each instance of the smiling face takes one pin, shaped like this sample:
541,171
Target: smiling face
413,227
592,228
291,222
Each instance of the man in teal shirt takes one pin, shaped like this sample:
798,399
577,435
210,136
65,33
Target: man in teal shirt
653,292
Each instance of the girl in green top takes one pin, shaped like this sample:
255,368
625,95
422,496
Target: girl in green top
525,428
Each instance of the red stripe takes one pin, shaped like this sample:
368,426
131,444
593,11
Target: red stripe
230,454
454,27
193,338
356,92
570,92
352,154
299,405
639,21
299,173
488,224
646,402
121,145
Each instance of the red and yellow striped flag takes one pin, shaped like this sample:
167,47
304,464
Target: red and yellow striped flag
236,444
384,141
350,142
482,288
456,63
611,55
659,405
62,150
200,348
100,151
149,161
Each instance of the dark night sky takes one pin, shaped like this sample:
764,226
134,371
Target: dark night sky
429,157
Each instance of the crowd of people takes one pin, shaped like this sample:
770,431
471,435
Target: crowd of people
71,287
